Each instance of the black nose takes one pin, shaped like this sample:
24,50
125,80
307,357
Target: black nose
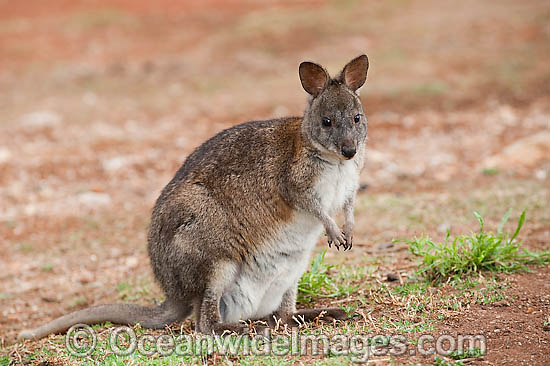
348,152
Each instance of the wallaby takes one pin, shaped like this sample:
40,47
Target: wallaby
232,233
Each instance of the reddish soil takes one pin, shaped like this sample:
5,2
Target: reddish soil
514,328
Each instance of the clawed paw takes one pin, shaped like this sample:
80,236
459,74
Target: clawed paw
339,239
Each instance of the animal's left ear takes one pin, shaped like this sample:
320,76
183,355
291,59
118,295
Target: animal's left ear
355,72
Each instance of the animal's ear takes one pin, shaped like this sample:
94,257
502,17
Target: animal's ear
314,77
355,72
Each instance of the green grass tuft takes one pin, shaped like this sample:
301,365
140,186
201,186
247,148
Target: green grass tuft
490,171
469,254
316,281
472,352
322,281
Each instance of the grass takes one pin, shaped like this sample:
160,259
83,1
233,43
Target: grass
316,281
490,294
403,326
470,254
468,353
411,288
242,350
133,290
323,281
490,171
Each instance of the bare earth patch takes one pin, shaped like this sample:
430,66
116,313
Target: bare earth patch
515,326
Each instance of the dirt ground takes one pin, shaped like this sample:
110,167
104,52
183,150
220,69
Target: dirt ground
512,327
101,101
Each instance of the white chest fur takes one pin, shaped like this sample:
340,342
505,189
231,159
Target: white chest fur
259,286
336,184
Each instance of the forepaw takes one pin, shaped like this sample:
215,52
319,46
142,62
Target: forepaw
336,237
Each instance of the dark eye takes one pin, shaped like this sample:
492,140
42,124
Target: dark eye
327,122
357,118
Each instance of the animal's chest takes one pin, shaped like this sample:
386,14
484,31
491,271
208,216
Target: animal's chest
336,184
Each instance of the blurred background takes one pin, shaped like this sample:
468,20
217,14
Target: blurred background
101,101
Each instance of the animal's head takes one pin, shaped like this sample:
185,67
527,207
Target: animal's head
334,120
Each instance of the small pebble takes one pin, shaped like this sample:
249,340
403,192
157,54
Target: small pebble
392,277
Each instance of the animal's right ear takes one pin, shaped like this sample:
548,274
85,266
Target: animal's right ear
314,77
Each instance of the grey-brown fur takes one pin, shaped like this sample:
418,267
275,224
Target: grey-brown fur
233,231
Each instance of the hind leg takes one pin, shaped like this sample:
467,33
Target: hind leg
287,313
308,315
208,318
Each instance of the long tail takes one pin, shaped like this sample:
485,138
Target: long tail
128,314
